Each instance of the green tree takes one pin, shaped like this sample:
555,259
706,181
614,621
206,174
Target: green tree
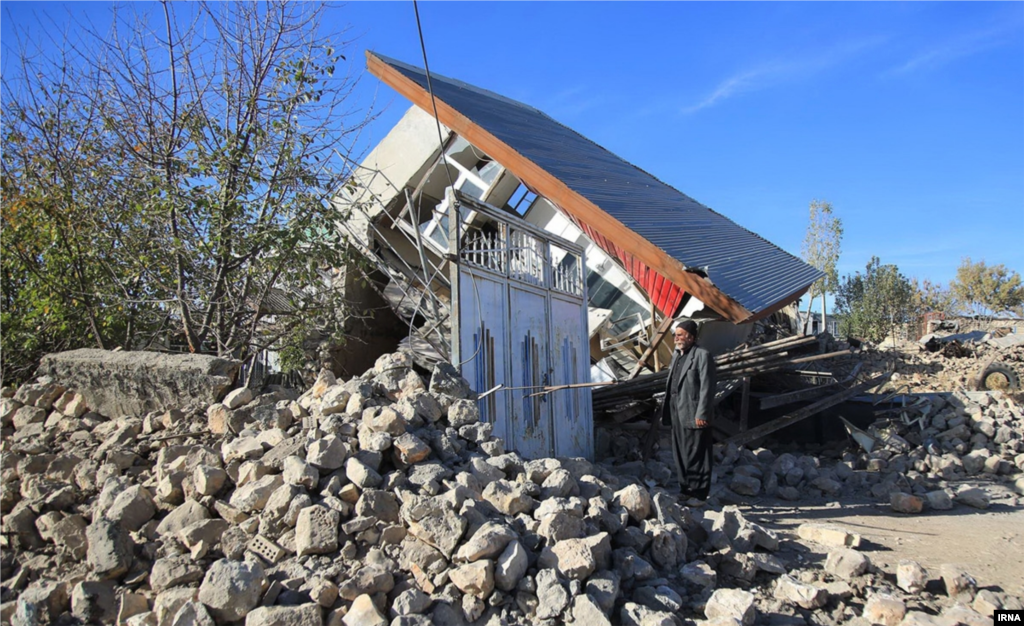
171,182
874,304
933,297
987,290
821,249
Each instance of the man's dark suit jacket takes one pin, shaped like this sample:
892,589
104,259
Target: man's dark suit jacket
694,398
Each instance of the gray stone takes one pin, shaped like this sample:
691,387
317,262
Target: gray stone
378,504
174,571
510,566
487,542
231,589
94,602
192,613
884,610
476,578
745,485
410,602
364,613
801,594
308,614
110,549
573,558
327,453
633,614
237,397
370,579
828,535
586,612
552,598
938,500
974,497
446,380
636,501
132,508
731,604
364,476
603,588
846,563
959,584
699,573
441,528
316,530
254,495
208,480
146,381
184,515
911,577
463,413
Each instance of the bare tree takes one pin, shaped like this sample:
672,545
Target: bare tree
821,249
204,143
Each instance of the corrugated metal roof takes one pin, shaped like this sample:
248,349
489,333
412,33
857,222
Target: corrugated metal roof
746,267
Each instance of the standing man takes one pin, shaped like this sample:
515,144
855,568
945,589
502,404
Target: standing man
688,406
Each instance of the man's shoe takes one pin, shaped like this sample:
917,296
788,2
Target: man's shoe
695,503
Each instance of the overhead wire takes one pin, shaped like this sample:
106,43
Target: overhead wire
456,208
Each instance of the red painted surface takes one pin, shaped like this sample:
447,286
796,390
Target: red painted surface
666,295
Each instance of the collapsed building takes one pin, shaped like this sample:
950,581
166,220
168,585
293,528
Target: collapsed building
565,267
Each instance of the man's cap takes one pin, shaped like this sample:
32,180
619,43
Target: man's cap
689,326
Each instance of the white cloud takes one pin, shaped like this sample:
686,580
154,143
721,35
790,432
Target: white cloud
958,47
767,75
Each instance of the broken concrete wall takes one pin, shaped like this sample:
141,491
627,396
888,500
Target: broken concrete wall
115,384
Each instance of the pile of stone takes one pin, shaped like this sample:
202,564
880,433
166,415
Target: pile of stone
384,500
965,448
961,451
373,501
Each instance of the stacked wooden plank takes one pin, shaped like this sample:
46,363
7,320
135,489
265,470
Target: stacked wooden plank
742,362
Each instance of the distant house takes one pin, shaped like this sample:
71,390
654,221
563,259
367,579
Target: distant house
812,325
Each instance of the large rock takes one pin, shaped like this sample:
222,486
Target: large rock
316,530
232,588
303,615
116,384
364,613
846,563
801,594
734,604
885,610
110,548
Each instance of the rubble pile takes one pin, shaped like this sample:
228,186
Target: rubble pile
963,451
384,500
920,371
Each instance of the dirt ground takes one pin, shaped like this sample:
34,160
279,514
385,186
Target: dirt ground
989,544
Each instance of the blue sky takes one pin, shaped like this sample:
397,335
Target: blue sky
907,117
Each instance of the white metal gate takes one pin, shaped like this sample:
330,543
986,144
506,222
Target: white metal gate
522,323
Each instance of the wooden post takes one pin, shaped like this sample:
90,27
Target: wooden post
745,404
654,331
663,329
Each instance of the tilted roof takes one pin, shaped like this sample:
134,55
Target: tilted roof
733,270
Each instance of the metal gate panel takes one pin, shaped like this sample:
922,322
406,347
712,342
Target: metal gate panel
531,414
520,303
484,310
572,417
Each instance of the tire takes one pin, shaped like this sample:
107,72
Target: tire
1000,376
